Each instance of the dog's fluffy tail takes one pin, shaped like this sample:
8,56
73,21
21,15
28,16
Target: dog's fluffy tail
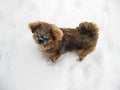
88,28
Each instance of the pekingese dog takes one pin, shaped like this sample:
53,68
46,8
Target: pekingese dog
54,41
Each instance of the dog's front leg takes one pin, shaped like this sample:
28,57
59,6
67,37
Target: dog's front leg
53,56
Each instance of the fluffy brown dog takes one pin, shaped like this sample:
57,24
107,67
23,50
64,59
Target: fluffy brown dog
55,41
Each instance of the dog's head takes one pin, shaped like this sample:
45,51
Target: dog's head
45,33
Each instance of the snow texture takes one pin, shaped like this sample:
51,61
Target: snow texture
24,67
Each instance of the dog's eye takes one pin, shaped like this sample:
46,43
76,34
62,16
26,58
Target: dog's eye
42,36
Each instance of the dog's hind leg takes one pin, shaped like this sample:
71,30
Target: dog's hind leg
83,53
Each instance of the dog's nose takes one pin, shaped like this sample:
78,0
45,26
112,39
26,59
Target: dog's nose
40,39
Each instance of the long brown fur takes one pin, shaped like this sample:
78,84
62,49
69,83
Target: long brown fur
81,39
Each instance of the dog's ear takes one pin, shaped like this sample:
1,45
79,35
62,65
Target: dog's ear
57,32
35,25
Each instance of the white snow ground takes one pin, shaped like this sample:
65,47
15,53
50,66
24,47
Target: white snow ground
23,67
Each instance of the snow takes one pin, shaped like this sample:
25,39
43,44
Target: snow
24,67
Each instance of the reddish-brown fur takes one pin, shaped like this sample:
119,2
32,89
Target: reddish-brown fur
81,39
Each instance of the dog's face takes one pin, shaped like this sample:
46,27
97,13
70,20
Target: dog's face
45,33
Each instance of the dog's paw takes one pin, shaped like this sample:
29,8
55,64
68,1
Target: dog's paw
79,59
54,58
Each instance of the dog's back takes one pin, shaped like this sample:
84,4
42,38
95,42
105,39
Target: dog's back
83,37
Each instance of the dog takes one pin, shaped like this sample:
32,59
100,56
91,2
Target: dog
54,41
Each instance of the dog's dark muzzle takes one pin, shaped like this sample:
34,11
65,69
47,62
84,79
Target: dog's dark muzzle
41,40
